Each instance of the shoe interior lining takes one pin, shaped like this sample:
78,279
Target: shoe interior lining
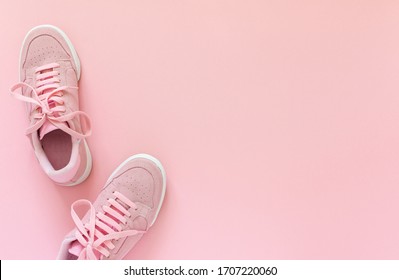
57,145
71,257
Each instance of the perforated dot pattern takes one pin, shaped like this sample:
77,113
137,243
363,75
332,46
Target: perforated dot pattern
44,49
139,183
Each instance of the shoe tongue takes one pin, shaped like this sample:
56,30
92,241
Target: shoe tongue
46,128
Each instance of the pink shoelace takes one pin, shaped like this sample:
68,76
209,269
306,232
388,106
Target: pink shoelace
102,228
47,99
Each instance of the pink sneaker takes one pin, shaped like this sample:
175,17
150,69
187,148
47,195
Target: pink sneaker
125,209
49,74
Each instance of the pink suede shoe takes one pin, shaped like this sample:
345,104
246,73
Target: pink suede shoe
126,208
49,74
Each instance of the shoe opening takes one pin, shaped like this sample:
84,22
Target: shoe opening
57,145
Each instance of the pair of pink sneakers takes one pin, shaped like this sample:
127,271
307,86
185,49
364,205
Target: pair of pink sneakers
130,201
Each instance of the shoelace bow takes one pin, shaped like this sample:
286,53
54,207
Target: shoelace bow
102,228
47,99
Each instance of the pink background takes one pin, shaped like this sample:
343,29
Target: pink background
277,123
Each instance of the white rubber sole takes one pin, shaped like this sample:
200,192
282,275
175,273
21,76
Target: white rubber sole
158,164
67,40
89,166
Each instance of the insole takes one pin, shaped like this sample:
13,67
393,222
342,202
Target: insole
57,146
